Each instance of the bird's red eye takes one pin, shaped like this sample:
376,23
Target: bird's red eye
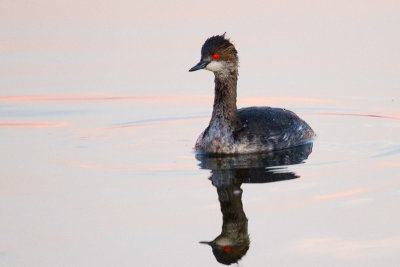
215,56
227,249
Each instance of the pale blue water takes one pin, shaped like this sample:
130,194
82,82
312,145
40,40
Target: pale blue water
98,117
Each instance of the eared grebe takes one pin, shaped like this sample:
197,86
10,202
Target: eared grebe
247,130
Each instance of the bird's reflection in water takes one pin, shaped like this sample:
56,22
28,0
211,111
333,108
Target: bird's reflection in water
227,175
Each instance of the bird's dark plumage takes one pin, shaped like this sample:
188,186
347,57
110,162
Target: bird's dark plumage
276,128
247,130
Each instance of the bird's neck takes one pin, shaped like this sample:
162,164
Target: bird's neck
225,110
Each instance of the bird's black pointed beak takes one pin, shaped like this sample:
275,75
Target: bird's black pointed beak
210,243
199,66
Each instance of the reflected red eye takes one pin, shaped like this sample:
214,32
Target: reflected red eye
215,56
227,249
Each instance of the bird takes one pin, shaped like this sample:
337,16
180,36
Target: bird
245,130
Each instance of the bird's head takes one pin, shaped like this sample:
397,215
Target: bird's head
218,55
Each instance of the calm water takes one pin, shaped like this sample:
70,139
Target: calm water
98,117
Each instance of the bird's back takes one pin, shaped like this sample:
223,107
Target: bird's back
269,128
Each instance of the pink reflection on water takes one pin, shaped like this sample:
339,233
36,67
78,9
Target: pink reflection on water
144,124
345,248
254,101
142,167
96,137
37,124
353,115
100,97
342,194
356,191
388,164
166,99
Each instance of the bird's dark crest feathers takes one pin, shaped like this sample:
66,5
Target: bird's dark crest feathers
217,43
